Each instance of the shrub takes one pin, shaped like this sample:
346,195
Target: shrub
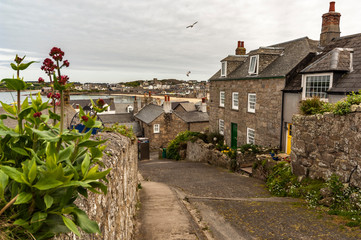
122,129
249,148
342,108
354,98
178,142
311,106
281,180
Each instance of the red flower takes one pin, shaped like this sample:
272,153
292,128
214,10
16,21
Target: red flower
41,80
66,63
85,118
18,59
56,53
63,80
57,103
100,102
48,66
37,114
57,95
49,95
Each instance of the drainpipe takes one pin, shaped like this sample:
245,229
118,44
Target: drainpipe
281,132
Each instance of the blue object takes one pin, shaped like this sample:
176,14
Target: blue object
80,128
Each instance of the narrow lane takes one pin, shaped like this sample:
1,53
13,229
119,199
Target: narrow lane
239,207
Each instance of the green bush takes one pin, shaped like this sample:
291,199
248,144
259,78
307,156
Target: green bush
178,143
249,148
354,98
281,180
342,108
311,106
122,129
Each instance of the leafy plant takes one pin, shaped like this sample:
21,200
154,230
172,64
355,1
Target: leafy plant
342,108
311,106
122,129
175,145
249,148
44,168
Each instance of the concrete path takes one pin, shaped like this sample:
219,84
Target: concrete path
225,205
163,216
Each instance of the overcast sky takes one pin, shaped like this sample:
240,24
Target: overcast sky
125,40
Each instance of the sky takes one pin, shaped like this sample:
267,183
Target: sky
125,40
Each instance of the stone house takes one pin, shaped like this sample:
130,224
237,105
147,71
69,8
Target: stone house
253,96
332,74
161,124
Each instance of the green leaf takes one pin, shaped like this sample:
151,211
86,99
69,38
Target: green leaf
93,173
85,223
54,115
37,220
25,112
71,225
25,103
47,183
46,135
13,66
4,179
24,66
9,132
21,222
9,108
32,171
85,165
20,151
76,184
12,173
48,200
15,84
90,143
24,197
65,153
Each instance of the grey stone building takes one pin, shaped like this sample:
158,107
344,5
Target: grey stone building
161,124
253,96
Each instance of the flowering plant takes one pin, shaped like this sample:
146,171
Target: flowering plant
44,168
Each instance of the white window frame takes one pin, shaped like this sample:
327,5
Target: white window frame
221,126
253,68
156,128
235,100
304,84
250,139
224,69
222,99
251,103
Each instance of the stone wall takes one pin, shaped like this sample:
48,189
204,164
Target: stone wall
199,151
266,121
198,126
327,144
115,211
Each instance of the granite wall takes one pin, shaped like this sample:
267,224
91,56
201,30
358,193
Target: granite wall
327,144
115,211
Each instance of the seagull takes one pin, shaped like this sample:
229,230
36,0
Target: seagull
188,73
192,25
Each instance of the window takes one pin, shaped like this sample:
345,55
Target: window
222,95
221,127
253,65
250,136
156,128
252,102
316,85
235,100
223,69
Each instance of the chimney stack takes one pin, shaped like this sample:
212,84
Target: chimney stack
203,105
240,50
167,106
330,25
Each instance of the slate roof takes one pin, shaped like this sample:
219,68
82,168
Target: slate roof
348,81
149,113
175,104
189,107
117,118
293,52
191,117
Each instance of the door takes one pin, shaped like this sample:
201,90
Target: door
234,135
289,137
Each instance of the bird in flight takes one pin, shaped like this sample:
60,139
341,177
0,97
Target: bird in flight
189,72
192,25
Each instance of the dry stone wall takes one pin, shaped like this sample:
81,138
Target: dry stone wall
115,211
327,144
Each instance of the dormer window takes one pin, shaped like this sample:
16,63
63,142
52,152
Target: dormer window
253,65
224,69
316,85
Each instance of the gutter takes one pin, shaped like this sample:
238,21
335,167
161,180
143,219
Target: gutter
248,78
281,132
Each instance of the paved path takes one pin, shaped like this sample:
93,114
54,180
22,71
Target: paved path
230,206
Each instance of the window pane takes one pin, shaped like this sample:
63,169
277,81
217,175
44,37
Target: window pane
316,86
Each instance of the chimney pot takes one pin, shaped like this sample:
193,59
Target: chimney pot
242,44
165,98
239,43
240,50
203,100
332,7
